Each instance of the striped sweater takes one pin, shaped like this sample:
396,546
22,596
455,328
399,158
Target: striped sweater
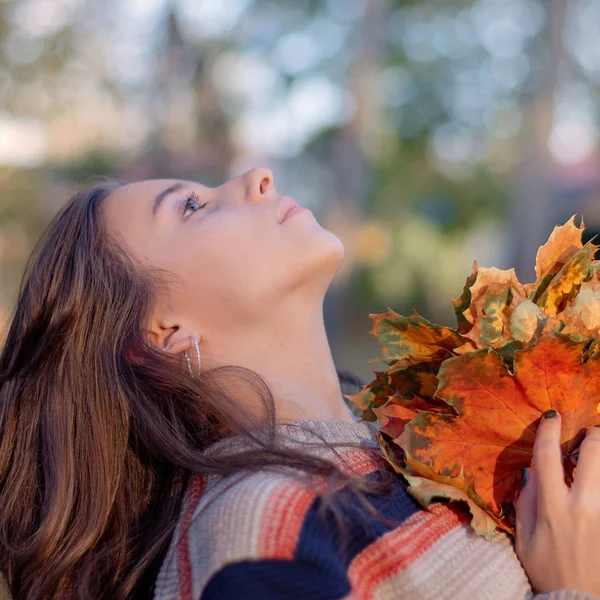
262,540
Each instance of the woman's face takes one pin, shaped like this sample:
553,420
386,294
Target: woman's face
235,263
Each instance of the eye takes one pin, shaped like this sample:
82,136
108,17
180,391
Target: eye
191,204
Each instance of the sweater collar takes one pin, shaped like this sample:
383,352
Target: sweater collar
299,433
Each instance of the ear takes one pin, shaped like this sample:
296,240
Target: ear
172,338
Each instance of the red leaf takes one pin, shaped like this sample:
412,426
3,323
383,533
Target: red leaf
491,439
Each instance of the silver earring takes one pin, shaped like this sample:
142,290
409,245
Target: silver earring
189,362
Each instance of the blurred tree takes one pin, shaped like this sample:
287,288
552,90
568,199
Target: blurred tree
534,189
415,130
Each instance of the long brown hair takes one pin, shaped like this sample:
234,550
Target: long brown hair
100,431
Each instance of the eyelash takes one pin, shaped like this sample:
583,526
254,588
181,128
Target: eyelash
192,197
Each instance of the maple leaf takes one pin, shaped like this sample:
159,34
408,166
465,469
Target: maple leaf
499,279
525,321
417,380
566,283
393,418
426,492
564,242
398,394
462,303
494,295
461,407
398,411
491,438
409,340
373,395
415,389
497,310
563,263
414,348
582,317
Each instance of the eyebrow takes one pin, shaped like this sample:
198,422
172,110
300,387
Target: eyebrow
159,199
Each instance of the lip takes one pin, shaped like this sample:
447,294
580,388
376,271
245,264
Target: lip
294,211
287,205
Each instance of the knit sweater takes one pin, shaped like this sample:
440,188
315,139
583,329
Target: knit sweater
262,539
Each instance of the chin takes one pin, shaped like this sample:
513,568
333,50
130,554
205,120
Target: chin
316,264
327,246
341,251
331,255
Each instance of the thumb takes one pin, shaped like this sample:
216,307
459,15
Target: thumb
526,509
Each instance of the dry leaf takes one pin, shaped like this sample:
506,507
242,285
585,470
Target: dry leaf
425,491
461,407
564,242
525,320
373,395
565,284
491,439
494,295
411,340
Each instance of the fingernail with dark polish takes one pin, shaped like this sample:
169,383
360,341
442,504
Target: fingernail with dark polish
524,476
550,414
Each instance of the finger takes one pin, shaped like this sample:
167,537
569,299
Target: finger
526,509
587,476
548,462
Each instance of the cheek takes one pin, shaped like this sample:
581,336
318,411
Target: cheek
233,267
247,261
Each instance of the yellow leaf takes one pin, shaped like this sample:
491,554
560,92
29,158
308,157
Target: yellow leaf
490,280
425,492
494,295
524,320
587,307
411,340
565,284
562,245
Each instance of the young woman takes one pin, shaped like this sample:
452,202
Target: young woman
172,424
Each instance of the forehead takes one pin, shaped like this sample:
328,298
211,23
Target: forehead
140,191
127,212
138,197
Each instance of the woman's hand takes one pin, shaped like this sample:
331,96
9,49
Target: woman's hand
558,528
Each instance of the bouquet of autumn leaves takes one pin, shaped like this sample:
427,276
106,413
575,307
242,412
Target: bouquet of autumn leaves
458,409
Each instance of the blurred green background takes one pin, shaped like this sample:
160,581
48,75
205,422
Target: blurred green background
425,134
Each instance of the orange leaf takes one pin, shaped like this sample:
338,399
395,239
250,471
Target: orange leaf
417,380
494,295
525,321
566,283
414,392
393,417
582,317
462,303
462,406
491,439
373,395
409,340
500,279
426,491
562,245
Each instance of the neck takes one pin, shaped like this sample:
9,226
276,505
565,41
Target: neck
295,360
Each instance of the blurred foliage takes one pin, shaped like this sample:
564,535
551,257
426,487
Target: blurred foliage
405,126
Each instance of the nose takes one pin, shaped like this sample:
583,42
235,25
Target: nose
259,184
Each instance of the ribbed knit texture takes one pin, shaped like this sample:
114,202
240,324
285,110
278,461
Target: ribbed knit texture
262,540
